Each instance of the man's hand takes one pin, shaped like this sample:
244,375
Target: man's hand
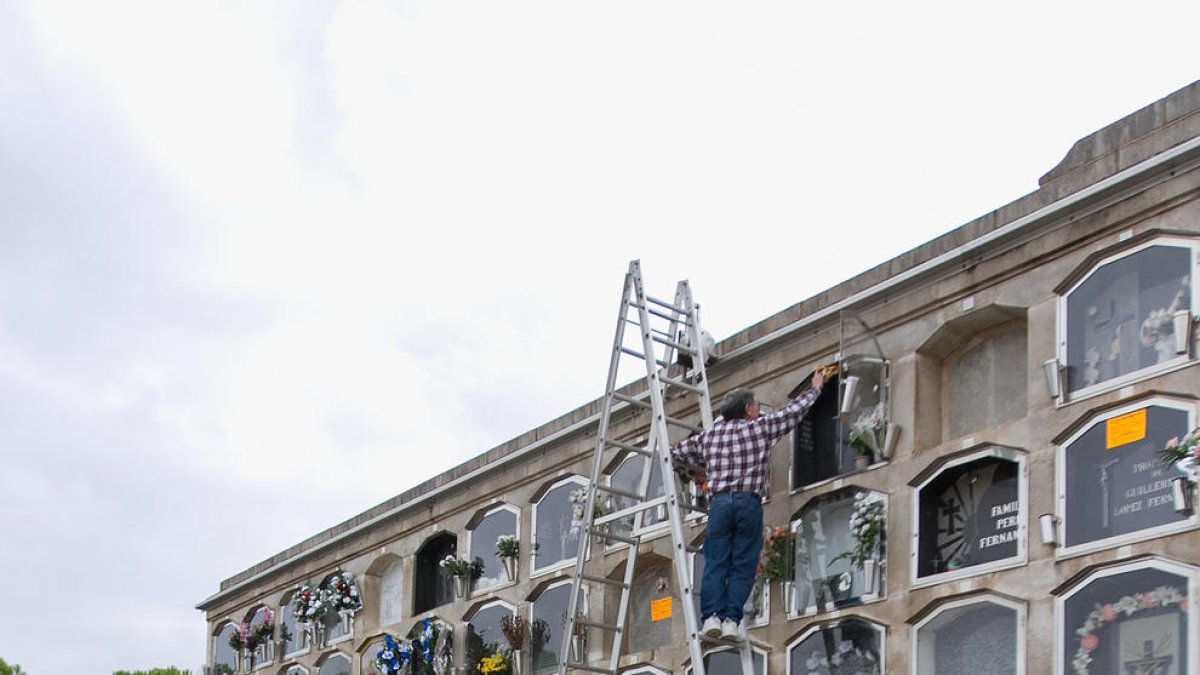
818,379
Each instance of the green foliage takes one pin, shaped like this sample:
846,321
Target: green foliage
169,670
14,669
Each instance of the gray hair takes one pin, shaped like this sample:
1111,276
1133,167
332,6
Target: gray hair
734,407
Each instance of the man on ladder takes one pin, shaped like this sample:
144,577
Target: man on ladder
734,454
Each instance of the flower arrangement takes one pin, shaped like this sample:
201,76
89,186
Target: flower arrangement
507,546
514,627
866,432
847,659
578,503
1163,596
776,554
393,657
1184,453
461,567
240,637
868,524
340,593
497,663
262,633
309,605
424,641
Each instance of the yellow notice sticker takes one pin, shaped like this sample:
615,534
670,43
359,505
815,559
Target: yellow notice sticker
660,609
1125,429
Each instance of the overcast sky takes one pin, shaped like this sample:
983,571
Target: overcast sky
266,264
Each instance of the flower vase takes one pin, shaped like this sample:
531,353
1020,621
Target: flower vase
347,620
510,566
579,648
861,461
518,665
789,597
870,572
460,586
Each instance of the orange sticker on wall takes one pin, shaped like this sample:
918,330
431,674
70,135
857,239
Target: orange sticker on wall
1125,429
660,609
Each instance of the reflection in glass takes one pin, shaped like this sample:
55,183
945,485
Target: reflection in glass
288,630
554,540
979,638
758,605
729,662
970,514
1119,319
628,476
338,664
824,579
483,546
224,658
546,628
367,663
484,637
848,647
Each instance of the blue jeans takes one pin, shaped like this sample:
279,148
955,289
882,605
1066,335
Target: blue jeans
731,552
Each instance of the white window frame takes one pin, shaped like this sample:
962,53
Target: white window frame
1066,397
880,590
583,599
534,570
1192,574
295,666
216,640
1060,482
504,583
349,634
1020,558
644,670
880,629
270,650
648,532
299,635
986,598
512,610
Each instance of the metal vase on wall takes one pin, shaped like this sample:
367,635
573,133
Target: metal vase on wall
849,392
789,597
518,662
510,566
579,647
890,435
460,586
1183,330
870,572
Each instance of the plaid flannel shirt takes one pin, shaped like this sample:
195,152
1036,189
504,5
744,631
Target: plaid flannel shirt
736,453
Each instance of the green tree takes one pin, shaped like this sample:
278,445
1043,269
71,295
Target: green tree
170,670
14,669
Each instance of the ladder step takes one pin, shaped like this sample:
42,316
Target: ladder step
677,345
693,508
575,665
637,354
611,627
682,385
685,425
681,318
734,642
633,400
631,448
665,305
604,580
622,492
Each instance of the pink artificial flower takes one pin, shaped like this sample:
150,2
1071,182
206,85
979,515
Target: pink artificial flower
1089,642
1183,604
1148,601
1108,613
1173,442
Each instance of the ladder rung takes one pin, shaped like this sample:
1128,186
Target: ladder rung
720,640
637,354
597,624
619,491
677,345
692,507
574,665
613,536
632,400
681,384
681,423
631,448
663,315
604,580
692,549
666,305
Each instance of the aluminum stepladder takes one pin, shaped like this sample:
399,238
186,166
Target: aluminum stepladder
665,330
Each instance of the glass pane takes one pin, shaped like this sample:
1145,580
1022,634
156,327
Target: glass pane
970,515
820,446
823,579
1123,489
849,647
546,629
758,606
368,658
1132,622
628,477
289,633
483,546
484,637
432,587
980,639
335,665
554,540
1118,320
729,662
224,658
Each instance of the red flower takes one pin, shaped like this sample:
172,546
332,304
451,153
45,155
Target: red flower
1108,613
1148,601
1089,642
